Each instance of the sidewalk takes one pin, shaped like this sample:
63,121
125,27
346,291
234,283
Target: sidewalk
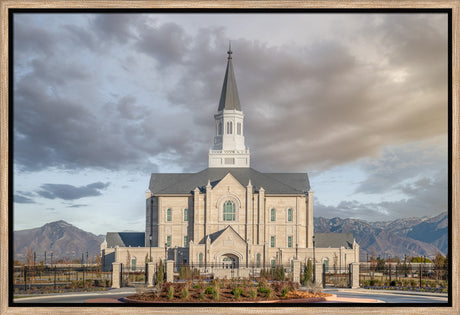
371,291
125,290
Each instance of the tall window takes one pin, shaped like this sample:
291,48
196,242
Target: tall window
200,259
272,215
168,240
185,241
238,128
229,211
133,264
219,128
272,263
168,214
289,214
229,127
258,260
185,214
289,241
272,241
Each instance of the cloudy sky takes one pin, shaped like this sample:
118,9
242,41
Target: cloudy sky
359,101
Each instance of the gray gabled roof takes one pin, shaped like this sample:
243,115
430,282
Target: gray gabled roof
125,239
229,99
334,240
273,183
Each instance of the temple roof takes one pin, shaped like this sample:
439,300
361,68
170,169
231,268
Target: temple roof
334,240
272,183
125,239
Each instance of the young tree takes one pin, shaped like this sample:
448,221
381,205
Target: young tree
160,274
308,273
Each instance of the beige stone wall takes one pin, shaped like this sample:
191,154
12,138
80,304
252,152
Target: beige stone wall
253,223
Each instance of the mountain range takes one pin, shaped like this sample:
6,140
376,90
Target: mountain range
64,240
409,236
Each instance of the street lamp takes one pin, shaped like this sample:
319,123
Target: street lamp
166,251
150,244
51,260
314,261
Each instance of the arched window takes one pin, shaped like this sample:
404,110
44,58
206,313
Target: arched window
238,128
229,211
258,260
200,259
289,214
289,241
185,214
272,215
168,214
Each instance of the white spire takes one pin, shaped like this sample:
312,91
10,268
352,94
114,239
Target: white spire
229,149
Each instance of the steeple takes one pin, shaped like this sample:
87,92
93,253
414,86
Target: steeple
229,149
229,98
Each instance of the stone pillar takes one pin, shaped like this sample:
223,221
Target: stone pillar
170,271
296,271
319,274
151,274
354,271
116,275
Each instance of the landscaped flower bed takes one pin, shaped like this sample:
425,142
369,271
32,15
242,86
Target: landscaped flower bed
225,291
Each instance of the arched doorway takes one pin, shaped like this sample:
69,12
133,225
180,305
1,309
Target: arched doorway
229,261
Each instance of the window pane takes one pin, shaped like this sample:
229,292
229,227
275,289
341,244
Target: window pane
185,214
289,241
289,214
272,215
168,215
185,241
272,241
168,240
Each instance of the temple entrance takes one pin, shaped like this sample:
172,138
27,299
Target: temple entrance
229,261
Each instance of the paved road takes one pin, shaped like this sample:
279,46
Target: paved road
389,297
77,297
385,297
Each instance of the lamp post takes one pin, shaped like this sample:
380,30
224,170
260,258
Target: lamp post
150,245
166,251
314,261
51,260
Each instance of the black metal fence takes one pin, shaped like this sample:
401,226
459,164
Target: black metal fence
336,277
131,275
415,275
26,278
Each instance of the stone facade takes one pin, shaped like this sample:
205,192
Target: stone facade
230,216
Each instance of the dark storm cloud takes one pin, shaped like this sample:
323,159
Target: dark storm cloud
425,197
69,192
22,199
306,107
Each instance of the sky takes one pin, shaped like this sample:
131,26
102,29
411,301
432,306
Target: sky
101,101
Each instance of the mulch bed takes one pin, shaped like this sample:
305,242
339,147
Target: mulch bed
198,295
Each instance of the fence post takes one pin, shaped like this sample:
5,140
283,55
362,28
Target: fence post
116,275
354,270
318,271
296,271
170,271
151,266
25,278
420,268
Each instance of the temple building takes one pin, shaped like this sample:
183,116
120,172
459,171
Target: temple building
229,215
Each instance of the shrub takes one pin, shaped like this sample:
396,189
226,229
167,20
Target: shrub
210,290
284,291
237,292
265,290
185,293
215,295
252,293
170,294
